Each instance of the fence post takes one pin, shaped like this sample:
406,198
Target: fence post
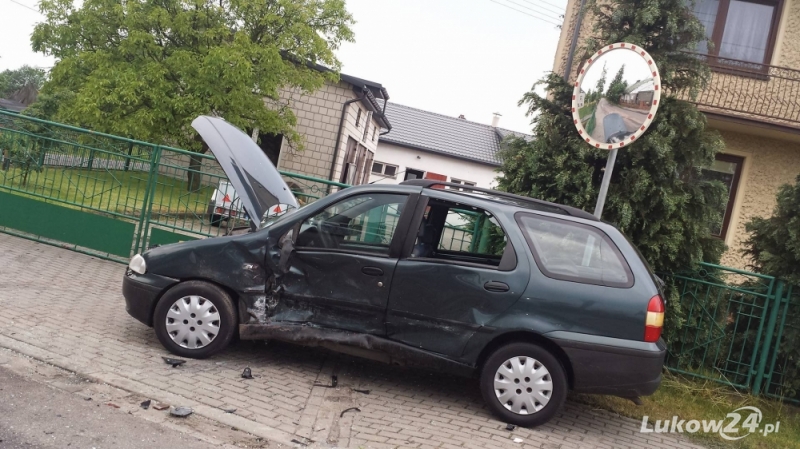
128,159
147,202
773,318
777,346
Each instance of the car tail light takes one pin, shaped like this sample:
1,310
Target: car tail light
220,210
654,323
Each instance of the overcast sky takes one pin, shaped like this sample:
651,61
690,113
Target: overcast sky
471,57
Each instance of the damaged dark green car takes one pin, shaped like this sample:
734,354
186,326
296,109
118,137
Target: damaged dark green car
534,298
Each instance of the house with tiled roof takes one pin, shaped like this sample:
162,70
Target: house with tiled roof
427,145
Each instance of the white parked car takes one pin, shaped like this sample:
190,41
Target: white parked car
225,204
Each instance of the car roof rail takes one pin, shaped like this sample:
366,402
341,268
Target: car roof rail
464,189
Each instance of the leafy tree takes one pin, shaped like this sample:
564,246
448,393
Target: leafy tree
146,68
656,196
617,87
601,83
12,81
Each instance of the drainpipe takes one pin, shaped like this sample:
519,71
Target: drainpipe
575,32
339,137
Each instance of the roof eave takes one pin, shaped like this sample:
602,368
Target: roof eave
440,153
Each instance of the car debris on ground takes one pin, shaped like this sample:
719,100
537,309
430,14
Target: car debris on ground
180,412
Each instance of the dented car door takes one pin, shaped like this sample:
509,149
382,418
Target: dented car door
447,287
343,264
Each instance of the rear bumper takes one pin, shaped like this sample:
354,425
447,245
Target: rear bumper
141,294
628,369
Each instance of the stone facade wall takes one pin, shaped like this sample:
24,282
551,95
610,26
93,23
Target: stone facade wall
318,115
769,163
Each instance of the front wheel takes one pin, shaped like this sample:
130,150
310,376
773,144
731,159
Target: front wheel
523,384
195,319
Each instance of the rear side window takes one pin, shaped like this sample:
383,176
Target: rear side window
575,252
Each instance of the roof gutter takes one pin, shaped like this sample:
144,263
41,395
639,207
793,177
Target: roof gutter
339,136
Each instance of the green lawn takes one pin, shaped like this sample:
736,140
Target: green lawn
116,191
587,109
691,399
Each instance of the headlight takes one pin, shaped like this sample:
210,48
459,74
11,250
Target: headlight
138,265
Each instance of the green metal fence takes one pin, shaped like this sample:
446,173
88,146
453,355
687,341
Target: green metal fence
138,194
739,328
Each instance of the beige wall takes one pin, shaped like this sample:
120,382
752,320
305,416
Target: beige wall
787,48
562,50
769,163
481,174
318,116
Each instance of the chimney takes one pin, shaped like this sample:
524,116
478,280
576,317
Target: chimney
462,117
496,119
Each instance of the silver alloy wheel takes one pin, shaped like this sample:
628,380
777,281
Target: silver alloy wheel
193,322
523,385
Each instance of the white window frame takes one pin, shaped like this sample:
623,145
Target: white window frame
383,170
463,182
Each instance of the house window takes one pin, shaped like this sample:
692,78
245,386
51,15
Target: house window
726,169
358,118
349,167
742,30
413,174
381,168
366,127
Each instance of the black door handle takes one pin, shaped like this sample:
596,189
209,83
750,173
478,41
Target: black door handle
494,286
372,271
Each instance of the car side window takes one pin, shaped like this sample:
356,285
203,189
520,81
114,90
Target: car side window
460,233
364,223
575,252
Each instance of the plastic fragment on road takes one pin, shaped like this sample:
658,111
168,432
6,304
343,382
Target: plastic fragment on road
145,404
518,440
174,362
180,412
356,409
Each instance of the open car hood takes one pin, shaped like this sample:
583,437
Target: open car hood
256,180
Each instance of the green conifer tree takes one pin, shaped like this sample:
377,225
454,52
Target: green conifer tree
657,195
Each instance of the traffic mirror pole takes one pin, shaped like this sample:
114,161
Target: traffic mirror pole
601,197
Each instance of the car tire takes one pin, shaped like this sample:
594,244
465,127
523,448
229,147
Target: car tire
195,301
536,380
215,220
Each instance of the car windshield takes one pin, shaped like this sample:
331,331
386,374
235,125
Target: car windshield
268,221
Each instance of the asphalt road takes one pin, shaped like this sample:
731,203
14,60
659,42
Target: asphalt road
633,119
34,415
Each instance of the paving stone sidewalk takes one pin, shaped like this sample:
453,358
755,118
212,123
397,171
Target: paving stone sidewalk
66,308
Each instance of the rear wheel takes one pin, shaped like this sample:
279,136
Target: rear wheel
215,219
523,384
195,319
